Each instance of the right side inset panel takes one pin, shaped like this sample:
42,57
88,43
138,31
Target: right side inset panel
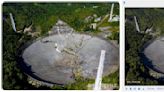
144,46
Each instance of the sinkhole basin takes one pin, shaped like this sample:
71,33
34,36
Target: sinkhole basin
154,55
79,52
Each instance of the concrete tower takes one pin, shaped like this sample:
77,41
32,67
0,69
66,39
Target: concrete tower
136,22
100,71
12,22
111,13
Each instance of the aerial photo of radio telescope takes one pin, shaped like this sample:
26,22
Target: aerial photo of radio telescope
61,46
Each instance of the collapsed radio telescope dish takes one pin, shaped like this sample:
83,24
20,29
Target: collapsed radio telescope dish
59,60
154,53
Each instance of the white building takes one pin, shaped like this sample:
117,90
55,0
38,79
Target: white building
93,25
148,30
97,19
114,19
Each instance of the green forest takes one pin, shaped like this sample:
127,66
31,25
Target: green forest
148,17
43,16
136,73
